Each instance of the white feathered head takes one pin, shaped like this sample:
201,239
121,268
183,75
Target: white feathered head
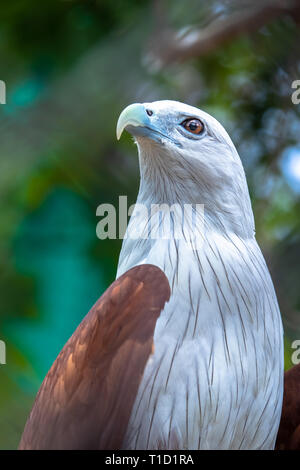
186,156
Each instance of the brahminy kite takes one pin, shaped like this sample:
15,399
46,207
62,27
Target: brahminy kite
185,349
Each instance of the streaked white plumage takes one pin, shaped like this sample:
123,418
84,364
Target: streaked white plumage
215,380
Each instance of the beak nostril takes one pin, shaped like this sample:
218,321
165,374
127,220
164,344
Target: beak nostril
149,112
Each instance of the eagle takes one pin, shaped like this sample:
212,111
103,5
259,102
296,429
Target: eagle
185,349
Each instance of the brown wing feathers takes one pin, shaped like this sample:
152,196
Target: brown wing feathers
289,430
87,396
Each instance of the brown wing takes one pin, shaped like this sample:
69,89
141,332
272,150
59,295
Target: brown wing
86,399
289,430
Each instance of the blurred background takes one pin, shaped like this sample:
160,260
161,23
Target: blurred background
70,67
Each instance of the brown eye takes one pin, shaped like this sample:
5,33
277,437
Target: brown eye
194,126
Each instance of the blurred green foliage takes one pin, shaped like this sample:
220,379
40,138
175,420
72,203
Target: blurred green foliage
70,67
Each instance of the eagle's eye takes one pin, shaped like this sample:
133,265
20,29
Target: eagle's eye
194,126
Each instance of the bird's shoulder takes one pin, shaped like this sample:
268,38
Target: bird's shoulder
86,398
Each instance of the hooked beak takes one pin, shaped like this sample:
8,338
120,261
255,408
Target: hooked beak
135,120
134,116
